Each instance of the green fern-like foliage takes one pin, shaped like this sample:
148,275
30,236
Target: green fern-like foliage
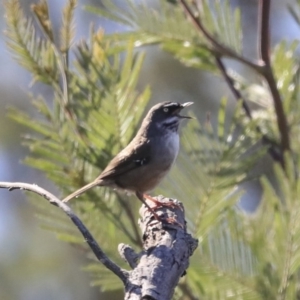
31,52
96,110
75,138
164,24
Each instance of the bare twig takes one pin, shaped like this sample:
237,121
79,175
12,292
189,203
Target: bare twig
101,256
129,255
273,147
264,14
263,67
218,48
237,94
167,248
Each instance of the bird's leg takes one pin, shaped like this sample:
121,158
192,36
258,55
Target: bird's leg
170,220
162,204
141,197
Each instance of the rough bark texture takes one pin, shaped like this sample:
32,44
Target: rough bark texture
167,249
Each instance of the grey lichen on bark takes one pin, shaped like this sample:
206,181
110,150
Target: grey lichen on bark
167,247
165,256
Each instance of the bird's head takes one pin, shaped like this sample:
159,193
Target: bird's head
166,115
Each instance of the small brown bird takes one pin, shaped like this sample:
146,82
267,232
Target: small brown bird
148,157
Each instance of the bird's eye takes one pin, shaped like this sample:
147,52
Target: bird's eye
166,109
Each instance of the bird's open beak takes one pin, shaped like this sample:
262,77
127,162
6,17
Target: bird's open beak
186,104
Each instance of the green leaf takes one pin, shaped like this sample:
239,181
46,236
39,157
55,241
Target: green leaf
191,55
222,22
30,51
164,25
68,26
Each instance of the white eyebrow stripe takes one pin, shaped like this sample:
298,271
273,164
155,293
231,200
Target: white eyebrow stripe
172,104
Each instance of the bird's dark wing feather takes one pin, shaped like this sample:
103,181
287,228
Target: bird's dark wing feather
128,159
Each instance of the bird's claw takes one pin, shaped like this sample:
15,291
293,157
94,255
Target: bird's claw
170,204
173,221
168,220
158,203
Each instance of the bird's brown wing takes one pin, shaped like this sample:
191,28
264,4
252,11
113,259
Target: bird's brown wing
128,159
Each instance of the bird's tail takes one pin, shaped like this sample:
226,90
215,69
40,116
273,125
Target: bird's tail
82,190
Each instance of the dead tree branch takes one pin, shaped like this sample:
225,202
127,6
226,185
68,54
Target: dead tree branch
167,248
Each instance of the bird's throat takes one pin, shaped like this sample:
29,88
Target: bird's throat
171,125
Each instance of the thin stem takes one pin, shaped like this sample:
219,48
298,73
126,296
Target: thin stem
101,256
281,117
273,147
263,67
264,17
62,64
288,255
230,84
218,48
264,14
113,217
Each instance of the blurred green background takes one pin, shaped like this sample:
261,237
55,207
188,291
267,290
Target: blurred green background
35,265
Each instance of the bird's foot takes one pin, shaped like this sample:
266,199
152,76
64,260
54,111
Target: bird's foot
158,203
172,221
167,221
